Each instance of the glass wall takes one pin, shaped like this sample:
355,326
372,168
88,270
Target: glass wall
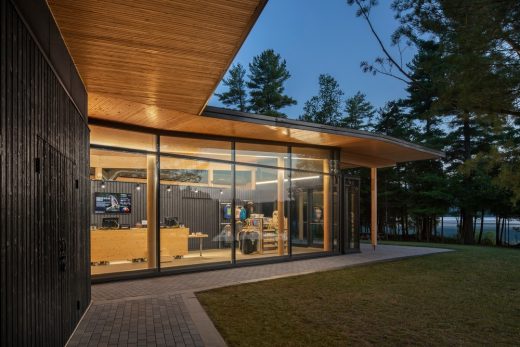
312,208
311,212
261,213
197,201
262,154
311,159
195,218
121,138
122,211
201,148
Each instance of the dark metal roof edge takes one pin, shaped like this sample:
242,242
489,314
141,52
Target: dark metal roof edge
224,113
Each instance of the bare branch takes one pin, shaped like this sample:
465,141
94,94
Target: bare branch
365,15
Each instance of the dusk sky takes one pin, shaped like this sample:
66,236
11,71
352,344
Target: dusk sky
317,36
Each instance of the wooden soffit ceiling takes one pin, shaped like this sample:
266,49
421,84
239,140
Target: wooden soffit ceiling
159,53
156,63
358,148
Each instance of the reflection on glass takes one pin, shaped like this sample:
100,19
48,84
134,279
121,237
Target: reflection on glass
311,213
196,147
195,216
335,214
311,159
351,211
262,154
122,219
121,138
261,214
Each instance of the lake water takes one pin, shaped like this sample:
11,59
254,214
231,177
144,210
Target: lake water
450,228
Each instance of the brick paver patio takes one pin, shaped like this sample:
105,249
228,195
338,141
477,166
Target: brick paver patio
163,311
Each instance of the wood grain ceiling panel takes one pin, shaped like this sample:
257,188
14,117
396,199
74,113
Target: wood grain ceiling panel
361,149
156,63
162,53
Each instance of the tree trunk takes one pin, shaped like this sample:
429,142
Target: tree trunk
442,229
459,226
433,230
406,225
403,228
497,231
508,229
481,227
502,231
468,237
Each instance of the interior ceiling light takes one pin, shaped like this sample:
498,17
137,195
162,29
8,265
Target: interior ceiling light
292,179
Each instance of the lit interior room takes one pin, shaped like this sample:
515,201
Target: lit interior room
170,202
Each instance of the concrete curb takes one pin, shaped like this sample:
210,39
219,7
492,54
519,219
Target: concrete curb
207,330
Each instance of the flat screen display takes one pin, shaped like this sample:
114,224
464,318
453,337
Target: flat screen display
113,203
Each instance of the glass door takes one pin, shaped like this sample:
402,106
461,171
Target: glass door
350,214
316,218
307,230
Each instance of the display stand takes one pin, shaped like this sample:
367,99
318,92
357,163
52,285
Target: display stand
224,240
268,236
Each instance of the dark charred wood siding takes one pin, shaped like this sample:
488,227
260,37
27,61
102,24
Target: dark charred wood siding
44,181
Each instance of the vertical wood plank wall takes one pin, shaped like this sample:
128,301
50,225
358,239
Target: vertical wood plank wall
44,181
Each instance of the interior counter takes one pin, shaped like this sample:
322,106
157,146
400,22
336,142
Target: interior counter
129,244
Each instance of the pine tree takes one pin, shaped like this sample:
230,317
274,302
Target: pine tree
236,95
393,121
478,51
268,73
475,69
324,108
358,112
468,74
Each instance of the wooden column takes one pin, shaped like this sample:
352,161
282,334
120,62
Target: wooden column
281,224
326,207
373,206
98,173
151,208
253,179
299,199
210,178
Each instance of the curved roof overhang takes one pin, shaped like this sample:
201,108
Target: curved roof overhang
358,148
156,63
168,54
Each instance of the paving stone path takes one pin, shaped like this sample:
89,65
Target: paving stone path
164,311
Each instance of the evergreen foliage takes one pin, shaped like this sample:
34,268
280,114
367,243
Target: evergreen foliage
358,112
236,95
267,75
324,108
464,92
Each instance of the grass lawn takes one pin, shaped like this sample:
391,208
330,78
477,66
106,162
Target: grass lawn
467,297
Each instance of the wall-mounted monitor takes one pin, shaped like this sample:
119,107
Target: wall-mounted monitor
112,203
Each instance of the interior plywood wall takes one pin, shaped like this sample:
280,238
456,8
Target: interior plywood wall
200,212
